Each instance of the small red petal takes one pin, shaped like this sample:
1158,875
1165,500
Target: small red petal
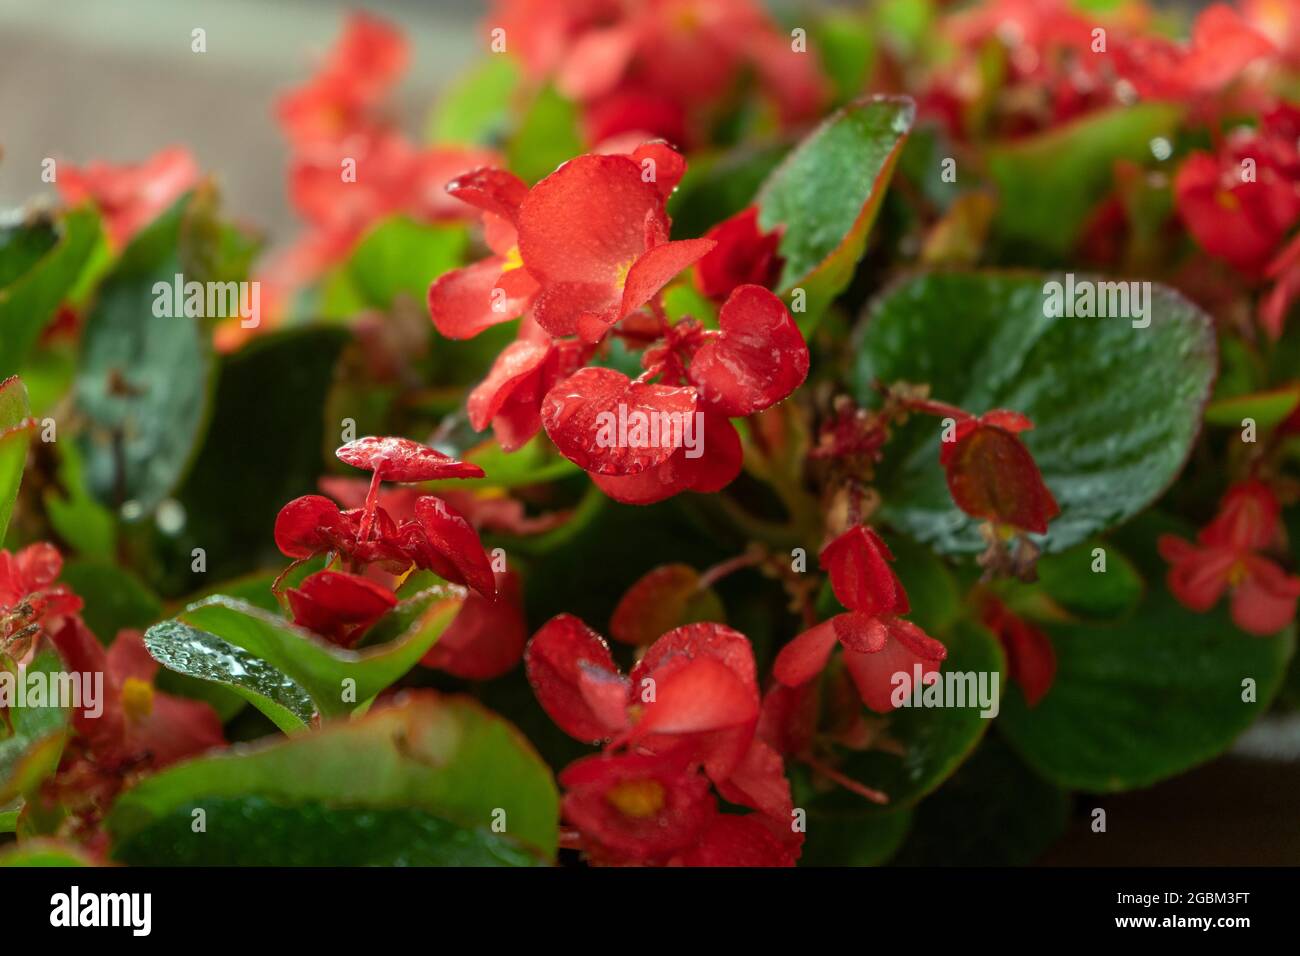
858,564
486,638
757,359
559,660
669,165
654,604
401,459
309,525
464,302
448,533
733,840
805,657
992,475
907,648
492,190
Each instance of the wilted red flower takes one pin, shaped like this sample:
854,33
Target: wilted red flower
31,603
744,255
1031,659
130,196
1226,557
877,643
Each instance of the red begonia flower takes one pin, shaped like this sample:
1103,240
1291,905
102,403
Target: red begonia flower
858,564
1031,659
636,112
486,638
608,424
129,197
444,542
1222,45
31,603
401,459
906,647
594,236
575,678
992,475
339,606
309,525
744,255
757,359
709,468
1226,557
139,725
359,70
636,808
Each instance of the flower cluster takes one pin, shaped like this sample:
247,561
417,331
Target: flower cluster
586,253
686,716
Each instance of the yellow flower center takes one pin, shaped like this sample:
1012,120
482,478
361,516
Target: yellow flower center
137,699
620,277
513,260
638,799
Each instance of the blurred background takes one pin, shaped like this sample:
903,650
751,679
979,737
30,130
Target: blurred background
116,80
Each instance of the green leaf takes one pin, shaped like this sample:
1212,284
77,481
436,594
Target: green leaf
143,381
1068,579
398,256
206,657
475,110
442,756
320,668
39,264
846,43
547,136
935,739
31,752
1050,183
843,834
45,853
15,432
1115,408
1144,698
1266,408
115,598
720,184
993,812
826,195
79,519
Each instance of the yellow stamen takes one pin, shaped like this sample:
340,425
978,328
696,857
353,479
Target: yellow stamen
636,798
137,699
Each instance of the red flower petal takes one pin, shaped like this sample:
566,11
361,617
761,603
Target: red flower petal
1265,600
1197,577
733,840
450,536
585,223
309,525
339,606
464,302
1248,519
656,603
517,365
744,255
805,657
860,632
560,307
607,424
858,564
492,190
657,267
757,359
486,638
695,696
1031,659
907,647
401,459
669,165
555,660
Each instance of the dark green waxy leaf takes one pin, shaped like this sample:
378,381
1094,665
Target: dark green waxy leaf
1050,183
15,433
446,757
143,381
719,185
1073,579
994,811
843,834
475,110
269,408
1143,698
337,679
81,521
31,751
187,650
254,831
39,265
935,739
114,598
396,257
1115,408
548,135
825,196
